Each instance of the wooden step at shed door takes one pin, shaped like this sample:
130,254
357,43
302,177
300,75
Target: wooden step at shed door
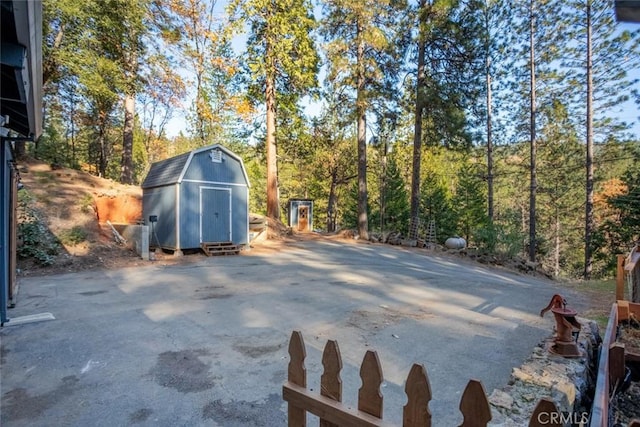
220,248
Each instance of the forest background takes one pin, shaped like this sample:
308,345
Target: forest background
510,124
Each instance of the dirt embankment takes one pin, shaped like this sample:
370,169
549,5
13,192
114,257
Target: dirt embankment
62,214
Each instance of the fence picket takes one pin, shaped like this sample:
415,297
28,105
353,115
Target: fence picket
616,364
328,406
297,376
542,414
330,381
416,412
474,405
369,396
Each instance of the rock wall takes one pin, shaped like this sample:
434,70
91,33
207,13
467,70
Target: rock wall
568,382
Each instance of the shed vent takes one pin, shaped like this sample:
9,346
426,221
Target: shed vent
216,156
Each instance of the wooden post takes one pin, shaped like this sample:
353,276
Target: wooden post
616,364
330,381
298,376
416,412
620,278
369,396
635,284
475,406
623,311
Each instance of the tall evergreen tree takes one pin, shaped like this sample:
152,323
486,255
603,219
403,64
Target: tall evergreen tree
334,157
560,161
282,58
447,60
535,34
599,61
364,53
469,200
122,29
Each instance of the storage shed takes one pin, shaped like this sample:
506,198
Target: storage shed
197,198
301,214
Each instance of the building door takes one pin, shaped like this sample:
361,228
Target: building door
303,218
215,214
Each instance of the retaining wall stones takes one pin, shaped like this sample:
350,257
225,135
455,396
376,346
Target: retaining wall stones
568,382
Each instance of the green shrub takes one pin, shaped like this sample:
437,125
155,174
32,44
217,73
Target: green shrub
73,236
35,243
86,203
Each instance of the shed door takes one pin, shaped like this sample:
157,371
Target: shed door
215,214
303,218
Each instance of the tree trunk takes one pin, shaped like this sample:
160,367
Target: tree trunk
417,136
489,145
104,155
588,225
126,176
273,203
534,184
49,65
361,112
331,205
556,244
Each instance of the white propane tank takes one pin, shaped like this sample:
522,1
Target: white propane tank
455,243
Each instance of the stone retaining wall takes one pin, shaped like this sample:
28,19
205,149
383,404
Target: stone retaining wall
568,382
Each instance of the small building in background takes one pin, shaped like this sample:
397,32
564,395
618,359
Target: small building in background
197,198
301,214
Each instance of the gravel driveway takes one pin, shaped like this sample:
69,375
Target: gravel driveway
205,343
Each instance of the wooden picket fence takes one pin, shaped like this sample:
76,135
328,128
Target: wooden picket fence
328,405
611,365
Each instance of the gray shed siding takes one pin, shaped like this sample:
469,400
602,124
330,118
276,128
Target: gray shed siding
202,200
227,172
161,201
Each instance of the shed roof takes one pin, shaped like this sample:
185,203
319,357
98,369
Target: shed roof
172,170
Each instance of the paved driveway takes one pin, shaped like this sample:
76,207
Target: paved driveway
205,343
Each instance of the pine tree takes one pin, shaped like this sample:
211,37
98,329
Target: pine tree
364,51
282,58
533,50
560,161
469,201
599,80
447,60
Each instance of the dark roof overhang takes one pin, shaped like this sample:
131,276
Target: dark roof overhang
627,10
21,66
